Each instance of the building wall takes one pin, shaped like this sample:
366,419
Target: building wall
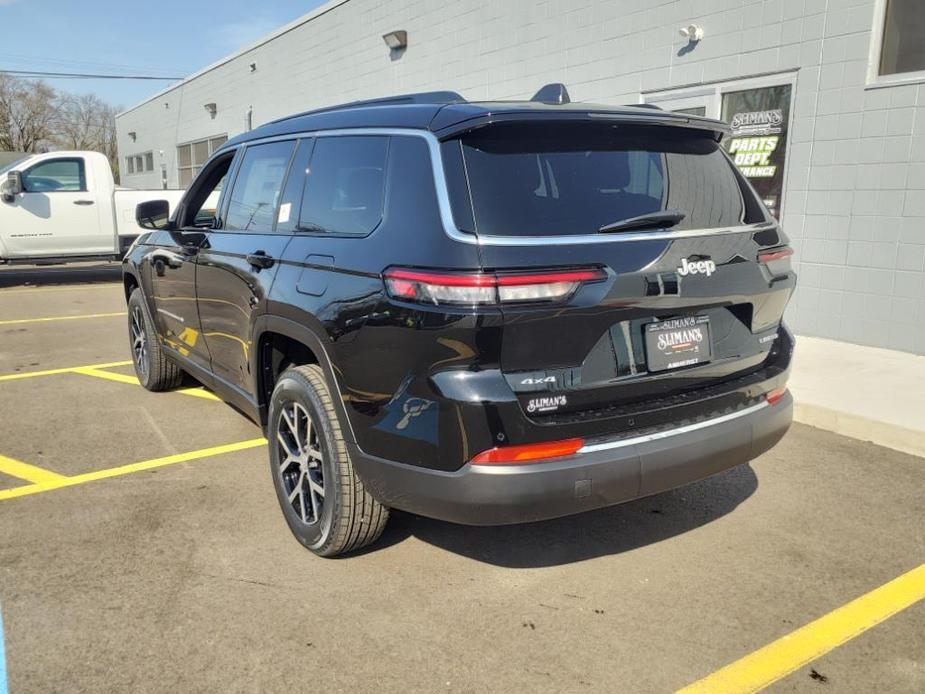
855,189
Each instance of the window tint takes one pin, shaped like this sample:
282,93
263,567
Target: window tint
56,175
538,180
257,186
344,188
903,47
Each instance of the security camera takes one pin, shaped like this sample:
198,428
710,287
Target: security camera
692,32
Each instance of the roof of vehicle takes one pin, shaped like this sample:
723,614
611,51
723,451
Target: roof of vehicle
446,114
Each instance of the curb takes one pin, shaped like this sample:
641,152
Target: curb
893,436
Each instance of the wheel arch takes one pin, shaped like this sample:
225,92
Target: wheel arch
280,341
130,283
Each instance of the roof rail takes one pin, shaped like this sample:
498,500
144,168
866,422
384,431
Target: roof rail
417,98
652,106
554,93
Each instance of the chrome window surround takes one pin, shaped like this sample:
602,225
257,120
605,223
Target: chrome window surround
446,213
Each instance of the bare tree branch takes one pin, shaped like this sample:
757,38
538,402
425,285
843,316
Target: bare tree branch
36,118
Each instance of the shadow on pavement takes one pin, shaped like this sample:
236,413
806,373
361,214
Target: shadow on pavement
23,276
588,535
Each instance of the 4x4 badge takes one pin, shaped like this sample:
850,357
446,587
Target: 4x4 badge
698,267
537,381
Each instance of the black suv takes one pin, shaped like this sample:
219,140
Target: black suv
486,313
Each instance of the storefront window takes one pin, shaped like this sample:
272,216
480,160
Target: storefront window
903,48
758,145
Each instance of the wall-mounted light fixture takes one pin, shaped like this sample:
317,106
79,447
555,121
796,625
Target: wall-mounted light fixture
211,108
253,67
133,135
396,40
692,32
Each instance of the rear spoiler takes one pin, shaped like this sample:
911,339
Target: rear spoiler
457,119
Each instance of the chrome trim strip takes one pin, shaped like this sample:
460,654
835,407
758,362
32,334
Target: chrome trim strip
620,443
446,213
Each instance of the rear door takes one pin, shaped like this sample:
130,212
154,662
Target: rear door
682,307
239,260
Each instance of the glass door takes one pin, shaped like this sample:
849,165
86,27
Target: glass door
758,111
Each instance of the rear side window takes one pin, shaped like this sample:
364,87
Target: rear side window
55,176
257,186
345,186
542,180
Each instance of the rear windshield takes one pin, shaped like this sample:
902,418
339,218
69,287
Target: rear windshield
552,180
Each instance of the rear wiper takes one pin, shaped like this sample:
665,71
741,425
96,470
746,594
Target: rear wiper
652,220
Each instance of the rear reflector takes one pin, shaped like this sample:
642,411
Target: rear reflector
529,453
775,395
776,254
777,260
475,288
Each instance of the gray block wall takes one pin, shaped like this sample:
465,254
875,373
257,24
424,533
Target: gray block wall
855,200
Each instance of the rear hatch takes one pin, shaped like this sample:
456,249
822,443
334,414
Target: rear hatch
685,301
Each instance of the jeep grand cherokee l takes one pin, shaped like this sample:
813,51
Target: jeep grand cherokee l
486,313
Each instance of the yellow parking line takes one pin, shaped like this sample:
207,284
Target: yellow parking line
80,287
20,321
108,375
63,370
30,473
778,659
70,481
132,380
199,393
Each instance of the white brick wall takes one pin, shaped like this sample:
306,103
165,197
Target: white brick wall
855,205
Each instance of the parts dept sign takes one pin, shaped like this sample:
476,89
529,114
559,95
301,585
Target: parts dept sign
759,120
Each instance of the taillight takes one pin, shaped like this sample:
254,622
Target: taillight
775,395
777,260
474,288
528,453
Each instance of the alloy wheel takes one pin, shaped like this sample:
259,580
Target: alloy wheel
139,343
301,461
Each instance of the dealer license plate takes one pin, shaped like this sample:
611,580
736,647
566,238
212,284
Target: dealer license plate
678,342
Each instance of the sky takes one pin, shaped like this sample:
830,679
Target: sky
163,38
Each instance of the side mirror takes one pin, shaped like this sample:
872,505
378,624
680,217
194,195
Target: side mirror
153,214
12,186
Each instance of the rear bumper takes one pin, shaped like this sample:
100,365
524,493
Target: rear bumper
603,473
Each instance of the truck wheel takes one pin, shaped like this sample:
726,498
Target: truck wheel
153,369
323,500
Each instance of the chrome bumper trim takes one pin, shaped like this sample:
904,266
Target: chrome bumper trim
620,443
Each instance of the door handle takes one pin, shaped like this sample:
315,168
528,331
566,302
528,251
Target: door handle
83,202
260,260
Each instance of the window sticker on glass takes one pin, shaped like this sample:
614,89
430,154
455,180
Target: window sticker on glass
284,211
758,145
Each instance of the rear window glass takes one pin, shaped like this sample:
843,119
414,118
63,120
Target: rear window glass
345,185
554,180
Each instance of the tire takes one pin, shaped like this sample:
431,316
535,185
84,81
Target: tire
152,367
323,500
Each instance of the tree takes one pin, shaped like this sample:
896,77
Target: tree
27,112
36,118
86,122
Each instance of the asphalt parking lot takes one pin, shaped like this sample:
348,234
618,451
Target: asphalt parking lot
142,550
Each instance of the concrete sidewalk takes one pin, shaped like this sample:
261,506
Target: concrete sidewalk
866,393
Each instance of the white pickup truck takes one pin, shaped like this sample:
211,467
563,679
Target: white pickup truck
65,206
